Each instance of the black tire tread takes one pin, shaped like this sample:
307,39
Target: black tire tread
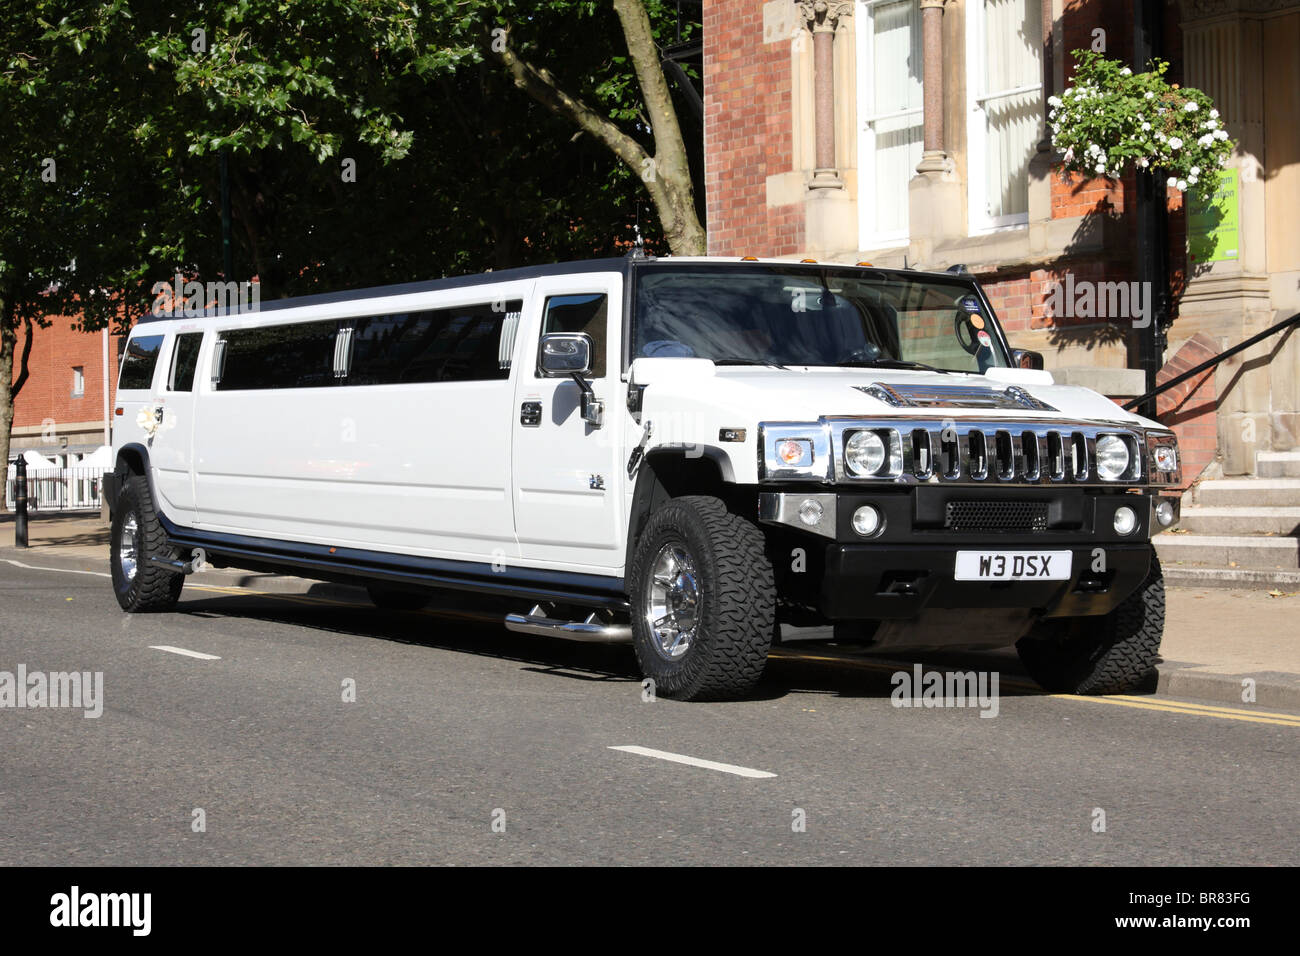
154,589
1114,654
739,617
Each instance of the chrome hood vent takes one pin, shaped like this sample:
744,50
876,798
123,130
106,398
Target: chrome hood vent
898,395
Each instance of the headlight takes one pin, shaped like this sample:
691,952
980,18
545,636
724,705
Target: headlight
1166,458
864,453
1112,457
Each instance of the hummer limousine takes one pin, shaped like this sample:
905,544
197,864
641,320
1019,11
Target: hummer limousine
701,457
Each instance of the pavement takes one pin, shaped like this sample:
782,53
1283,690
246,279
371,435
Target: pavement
1219,645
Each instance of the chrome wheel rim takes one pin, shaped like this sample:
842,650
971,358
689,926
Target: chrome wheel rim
672,602
128,547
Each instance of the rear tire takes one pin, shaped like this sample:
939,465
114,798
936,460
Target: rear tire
1114,654
137,536
703,601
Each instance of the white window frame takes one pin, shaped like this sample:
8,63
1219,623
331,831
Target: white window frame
868,237
78,381
977,129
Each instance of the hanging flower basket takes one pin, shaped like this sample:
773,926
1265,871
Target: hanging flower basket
1112,118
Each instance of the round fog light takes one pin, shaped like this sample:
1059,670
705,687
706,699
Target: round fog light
1126,520
1165,513
866,520
810,512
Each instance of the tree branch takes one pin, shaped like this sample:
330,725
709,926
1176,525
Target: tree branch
541,86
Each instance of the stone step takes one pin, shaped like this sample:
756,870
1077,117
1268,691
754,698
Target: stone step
1223,551
1240,521
1247,493
1278,464
1193,577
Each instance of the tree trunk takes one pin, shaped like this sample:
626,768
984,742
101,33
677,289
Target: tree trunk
8,343
666,174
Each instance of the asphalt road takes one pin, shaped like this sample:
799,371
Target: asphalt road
459,731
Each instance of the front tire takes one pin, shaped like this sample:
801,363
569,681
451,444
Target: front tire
1114,654
137,536
703,599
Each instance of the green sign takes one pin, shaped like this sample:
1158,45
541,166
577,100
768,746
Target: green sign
1212,227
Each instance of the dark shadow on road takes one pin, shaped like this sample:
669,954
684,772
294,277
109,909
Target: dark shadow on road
813,668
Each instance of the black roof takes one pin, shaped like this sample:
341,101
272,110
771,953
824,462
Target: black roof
623,265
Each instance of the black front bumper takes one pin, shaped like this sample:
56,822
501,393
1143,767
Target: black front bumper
874,582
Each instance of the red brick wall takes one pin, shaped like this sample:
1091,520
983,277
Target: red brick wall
1190,408
747,93
48,390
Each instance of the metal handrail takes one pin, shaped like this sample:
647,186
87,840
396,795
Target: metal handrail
1211,362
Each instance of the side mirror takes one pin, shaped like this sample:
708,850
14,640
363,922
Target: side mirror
562,354
568,354
1023,358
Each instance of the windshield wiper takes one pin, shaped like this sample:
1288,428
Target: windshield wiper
738,361
893,363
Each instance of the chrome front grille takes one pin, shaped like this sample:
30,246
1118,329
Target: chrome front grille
989,452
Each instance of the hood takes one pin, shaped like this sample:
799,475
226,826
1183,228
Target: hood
761,393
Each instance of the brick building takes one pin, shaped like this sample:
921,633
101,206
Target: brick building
64,406
910,133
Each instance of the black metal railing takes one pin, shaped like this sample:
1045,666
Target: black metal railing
59,489
1210,363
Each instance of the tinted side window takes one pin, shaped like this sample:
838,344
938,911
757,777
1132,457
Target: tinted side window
138,362
280,356
185,359
580,313
461,344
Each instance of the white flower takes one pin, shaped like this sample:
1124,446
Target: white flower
1126,72
1192,180
1146,127
1206,140
1069,155
1175,143
1150,95
1144,162
1172,181
1054,101
1182,185
1191,107
1209,124
1196,171
1220,134
1100,167
1214,114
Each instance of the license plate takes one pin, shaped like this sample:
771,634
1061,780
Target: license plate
1012,566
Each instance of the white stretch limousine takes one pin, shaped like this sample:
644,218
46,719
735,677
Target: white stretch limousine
697,456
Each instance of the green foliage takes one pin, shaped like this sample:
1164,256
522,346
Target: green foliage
1112,118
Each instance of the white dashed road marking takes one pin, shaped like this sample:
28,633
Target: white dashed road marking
183,652
695,762
32,567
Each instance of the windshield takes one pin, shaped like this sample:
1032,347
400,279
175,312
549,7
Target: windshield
800,315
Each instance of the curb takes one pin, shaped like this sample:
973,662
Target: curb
1272,690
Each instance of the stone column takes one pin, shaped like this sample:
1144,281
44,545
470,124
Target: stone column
823,18
934,159
936,204
829,214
